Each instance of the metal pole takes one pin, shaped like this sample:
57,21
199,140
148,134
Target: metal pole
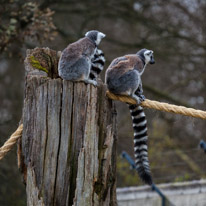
203,145
156,189
153,186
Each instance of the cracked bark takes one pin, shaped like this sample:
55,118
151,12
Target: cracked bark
68,146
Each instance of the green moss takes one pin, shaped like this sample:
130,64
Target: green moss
37,64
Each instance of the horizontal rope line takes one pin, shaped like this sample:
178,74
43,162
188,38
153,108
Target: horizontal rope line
160,106
147,103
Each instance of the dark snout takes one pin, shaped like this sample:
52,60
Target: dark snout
152,61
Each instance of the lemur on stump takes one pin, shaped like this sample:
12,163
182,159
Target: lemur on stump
123,77
82,58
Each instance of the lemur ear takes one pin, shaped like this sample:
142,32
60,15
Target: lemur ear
148,52
87,33
102,35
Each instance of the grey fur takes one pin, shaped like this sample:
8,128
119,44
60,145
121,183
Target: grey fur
124,85
76,60
78,70
123,77
95,36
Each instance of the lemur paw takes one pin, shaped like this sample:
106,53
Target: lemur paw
94,83
89,81
142,97
137,98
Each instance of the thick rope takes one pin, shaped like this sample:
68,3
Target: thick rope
147,103
160,106
11,141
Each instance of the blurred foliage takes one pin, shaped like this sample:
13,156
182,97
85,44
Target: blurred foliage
126,175
20,21
174,29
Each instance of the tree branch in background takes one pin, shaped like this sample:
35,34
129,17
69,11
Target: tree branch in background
165,96
26,21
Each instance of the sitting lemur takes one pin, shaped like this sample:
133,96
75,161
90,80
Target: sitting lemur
123,77
82,60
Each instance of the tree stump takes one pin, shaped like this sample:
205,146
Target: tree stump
68,146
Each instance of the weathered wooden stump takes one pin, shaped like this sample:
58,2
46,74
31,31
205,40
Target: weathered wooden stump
68,147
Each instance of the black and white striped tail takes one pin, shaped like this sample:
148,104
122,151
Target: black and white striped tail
98,62
140,143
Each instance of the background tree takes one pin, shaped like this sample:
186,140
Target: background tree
174,29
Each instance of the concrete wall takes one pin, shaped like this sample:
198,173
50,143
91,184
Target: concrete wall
180,194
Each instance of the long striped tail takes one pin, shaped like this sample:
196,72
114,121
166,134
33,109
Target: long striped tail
140,143
97,64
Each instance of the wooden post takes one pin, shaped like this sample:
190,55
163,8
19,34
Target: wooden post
68,147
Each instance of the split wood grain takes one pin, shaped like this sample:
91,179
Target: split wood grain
68,143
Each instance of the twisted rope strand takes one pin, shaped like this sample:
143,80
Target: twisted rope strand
160,106
11,141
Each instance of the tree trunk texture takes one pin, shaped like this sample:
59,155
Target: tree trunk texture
68,146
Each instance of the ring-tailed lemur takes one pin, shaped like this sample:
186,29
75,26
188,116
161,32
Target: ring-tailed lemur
123,77
76,60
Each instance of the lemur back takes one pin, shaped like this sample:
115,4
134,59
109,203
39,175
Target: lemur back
123,77
76,60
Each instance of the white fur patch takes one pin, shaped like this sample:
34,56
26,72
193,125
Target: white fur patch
99,52
98,65
141,139
136,109
142,152
100,58
140,124
144,155
138,133
87,33
146,163
100,36
142,114
144,146
147,55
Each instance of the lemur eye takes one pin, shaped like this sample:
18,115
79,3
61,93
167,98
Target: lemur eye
148,54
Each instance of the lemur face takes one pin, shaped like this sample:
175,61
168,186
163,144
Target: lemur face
95,36
149,58
146,55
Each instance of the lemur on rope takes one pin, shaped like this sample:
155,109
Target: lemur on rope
123,77
81,60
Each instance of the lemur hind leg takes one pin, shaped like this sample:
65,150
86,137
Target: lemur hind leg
85,79
139,92
138,96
